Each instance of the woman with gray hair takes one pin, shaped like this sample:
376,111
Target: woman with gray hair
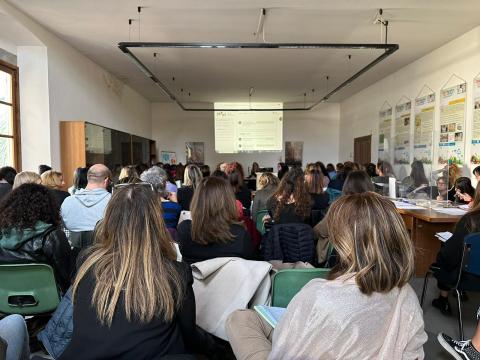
192,177
157,177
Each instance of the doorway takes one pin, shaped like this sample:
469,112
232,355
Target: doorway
362,149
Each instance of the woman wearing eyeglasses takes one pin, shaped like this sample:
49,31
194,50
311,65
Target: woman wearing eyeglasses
132,300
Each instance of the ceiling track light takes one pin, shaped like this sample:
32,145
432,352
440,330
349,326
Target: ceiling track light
126,46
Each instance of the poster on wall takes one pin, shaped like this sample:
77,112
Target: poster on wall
294,153
475,158
452,125
402,132
384,132
168,157
194,152
423,128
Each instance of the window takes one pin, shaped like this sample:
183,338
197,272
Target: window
9,116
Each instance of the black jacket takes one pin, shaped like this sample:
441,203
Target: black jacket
5,188
289,243
184,197
49,247
192,252
133,339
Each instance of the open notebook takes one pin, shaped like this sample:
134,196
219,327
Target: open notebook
271,314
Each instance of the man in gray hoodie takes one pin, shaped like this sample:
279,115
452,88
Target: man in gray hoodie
82,211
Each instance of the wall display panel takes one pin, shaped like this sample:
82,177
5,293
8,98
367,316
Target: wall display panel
385,134
423,128
475,147
195,152
168,157
402,132
294,153
452,124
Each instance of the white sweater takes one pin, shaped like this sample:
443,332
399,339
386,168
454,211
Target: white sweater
333,320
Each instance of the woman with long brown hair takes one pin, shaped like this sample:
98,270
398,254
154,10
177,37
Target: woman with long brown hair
132,300
447,265
291,203
314,179
365,310
215,230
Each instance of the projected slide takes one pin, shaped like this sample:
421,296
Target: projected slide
248,131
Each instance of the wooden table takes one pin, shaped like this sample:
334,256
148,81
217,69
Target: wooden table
423,225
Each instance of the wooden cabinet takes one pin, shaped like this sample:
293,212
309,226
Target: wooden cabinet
84,144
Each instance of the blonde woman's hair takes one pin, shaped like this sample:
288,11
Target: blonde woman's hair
26,177
192,176
133,258
52,179
267,179
213,209
372,242
128,171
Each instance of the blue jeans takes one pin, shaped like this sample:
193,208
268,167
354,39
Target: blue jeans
14,331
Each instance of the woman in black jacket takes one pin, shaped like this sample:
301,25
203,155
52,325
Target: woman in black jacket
132,299
30,231
214,230
191,178
447,266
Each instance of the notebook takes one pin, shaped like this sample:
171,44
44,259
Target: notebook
444,236
272,315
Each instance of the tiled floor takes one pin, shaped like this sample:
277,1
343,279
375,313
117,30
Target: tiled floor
435,322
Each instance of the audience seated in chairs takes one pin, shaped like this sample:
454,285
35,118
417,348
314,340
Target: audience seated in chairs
7,176
268,184
215,229
447,265
128,174
30,231
291,203
26,177
54,181
79,180
158,179
333,318
342,174
314,182
191,178
236,176
357,182
14,338
82,211
132,300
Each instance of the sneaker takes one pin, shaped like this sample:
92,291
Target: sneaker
443,305
460,350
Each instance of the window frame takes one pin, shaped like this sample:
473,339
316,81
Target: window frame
16,134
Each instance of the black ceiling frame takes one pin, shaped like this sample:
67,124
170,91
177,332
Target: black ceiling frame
125,48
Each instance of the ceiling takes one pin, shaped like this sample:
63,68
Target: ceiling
95,28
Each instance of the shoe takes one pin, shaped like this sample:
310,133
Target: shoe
443,305
460,350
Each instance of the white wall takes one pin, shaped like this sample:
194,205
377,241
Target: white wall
359,113
318,129
79,89
34,109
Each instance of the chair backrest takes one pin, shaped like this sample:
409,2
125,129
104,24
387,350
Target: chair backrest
81,239
471,261
287,283
27,289
259,221
334,194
